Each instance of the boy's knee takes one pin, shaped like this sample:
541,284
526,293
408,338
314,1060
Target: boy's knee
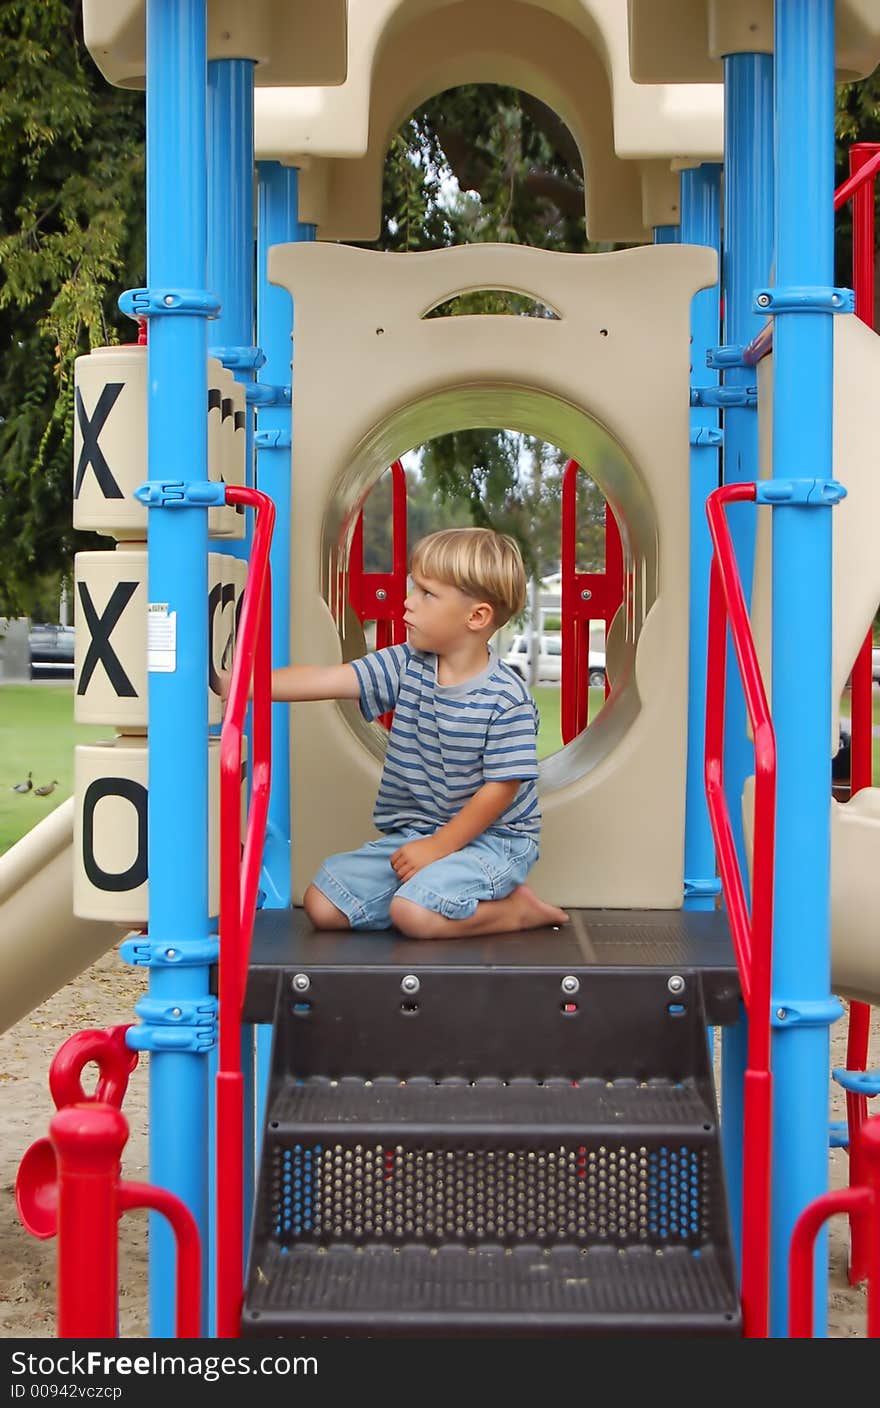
414,920
323,912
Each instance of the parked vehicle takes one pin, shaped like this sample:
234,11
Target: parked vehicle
550,660
875,664
51,652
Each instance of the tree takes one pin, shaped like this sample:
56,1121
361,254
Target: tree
72,217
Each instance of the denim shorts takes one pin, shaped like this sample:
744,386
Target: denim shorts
362,883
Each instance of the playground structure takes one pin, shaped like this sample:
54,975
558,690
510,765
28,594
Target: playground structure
627,379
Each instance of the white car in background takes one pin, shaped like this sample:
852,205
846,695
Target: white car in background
550,660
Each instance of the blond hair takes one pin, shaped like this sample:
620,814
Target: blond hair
483,564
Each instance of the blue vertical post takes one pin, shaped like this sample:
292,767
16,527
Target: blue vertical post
802,441
179,1012
667,234
231,341
747,259
700,224
277,223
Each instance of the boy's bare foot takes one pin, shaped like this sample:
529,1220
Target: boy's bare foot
535,913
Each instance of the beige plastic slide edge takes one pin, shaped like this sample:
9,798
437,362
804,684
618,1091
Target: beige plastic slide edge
683,41
855,826
606,381
855,890
42,945
292,41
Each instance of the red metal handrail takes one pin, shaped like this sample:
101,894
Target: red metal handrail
864,163
585,597
752,935
862,1203
239,881
380,596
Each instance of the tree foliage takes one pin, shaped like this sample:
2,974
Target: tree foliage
72,221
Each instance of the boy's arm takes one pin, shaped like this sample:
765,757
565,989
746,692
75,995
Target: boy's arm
475,816
295,683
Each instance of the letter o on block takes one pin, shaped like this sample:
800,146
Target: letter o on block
111,827
110,441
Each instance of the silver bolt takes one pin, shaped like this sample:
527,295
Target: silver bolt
176,1012
676,983
410,983
586,594
570,984
171,953
168,299
763,300
781,1014
381,593
301,982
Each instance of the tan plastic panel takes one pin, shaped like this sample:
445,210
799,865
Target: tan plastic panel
111,408
608,382
683,41
563,58
292,41
42,945
856,463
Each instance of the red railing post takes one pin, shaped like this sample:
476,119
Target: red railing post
862,1203
88,1141
752,934
379,596
239,883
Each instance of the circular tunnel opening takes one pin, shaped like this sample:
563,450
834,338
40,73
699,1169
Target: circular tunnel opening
438,447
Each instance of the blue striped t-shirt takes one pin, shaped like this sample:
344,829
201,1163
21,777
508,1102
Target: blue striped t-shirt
448,740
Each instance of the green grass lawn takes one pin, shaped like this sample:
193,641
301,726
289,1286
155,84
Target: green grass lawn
548,699
38,735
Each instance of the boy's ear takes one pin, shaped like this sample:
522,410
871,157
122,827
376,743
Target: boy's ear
482,617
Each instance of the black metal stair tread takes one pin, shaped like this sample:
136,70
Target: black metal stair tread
324,1106
488,1290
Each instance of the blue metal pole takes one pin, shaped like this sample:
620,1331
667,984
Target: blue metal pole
748,255
231,340
700,224
802,442
277,223
667,234
178,543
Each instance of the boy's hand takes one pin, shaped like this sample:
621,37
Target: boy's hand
415,855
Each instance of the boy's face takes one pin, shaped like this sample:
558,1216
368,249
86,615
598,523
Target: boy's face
439,617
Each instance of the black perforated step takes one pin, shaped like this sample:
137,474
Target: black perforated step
489,1291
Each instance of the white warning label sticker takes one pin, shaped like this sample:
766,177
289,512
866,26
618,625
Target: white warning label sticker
161,638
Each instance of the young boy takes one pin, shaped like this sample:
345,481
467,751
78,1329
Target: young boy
457,804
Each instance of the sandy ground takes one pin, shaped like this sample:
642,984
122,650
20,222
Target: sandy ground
105,995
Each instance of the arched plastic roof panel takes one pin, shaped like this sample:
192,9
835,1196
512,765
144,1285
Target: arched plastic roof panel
292,41
606,381
683,41
488,41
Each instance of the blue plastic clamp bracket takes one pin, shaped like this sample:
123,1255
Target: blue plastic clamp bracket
805,1014
724,396
693,888
732,354
150,302
236,359
263,394
808,493
272,440
178,493
838,1134
858,1082
706,437
188,953
804,298
166,1025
